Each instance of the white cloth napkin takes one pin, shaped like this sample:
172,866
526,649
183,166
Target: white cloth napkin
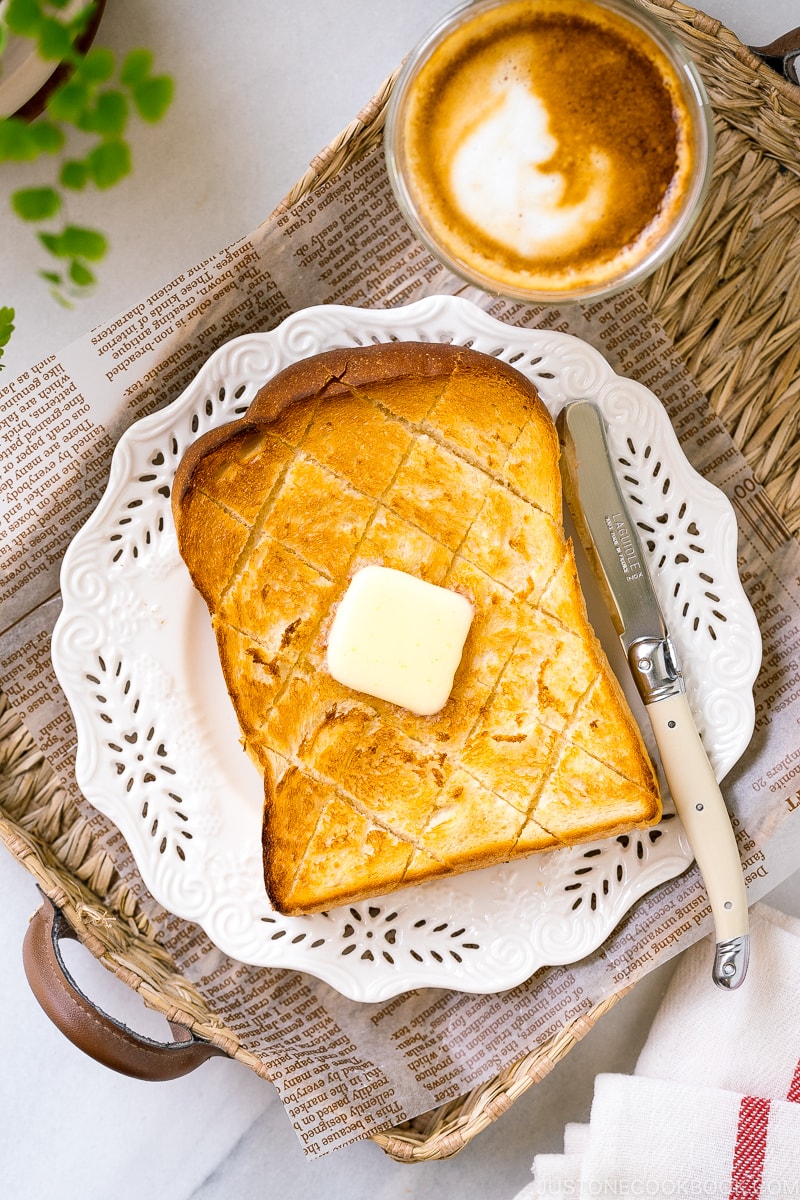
713,1107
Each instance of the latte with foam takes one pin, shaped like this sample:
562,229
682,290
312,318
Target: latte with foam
549,147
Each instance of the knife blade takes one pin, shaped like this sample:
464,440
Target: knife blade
614,550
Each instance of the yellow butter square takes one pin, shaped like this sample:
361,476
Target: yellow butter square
399,638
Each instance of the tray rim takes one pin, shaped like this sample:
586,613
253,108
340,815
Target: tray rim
120,938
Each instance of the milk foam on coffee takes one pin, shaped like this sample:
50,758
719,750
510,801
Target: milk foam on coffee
500,181
546,144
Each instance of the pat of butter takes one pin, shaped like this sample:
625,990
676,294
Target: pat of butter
399,638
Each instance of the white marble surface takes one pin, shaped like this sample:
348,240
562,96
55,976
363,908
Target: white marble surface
262,85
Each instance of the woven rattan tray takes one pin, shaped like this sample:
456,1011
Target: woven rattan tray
730,302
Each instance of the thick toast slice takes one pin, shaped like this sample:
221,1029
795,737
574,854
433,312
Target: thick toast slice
441,462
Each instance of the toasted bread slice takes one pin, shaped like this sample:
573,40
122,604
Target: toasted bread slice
441,462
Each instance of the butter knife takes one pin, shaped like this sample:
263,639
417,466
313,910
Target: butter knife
615,554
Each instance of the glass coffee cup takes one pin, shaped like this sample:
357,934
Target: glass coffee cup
550,150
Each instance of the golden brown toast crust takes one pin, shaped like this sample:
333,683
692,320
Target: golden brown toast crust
443,462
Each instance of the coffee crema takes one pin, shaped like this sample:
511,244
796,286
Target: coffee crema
546,145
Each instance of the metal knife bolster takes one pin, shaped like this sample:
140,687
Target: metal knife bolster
655,669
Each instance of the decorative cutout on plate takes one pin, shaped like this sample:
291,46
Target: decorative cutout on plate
139,757
376,933
673,540
153,700
599,873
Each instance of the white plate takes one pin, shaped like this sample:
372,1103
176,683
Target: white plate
158,743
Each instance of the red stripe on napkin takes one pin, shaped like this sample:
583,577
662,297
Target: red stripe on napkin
794,1087
751,1146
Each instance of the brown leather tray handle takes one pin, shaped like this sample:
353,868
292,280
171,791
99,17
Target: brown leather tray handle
783,55
102,1037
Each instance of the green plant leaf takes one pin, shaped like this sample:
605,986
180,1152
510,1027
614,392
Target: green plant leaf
97,65
80,274
107,117
84,243
69,101
24,17
54,40
108,163
153,97
7,316
56,288
53,243
74,242
47,137
98,99
111,113
136,67
17,141
74,174
23,143
36,204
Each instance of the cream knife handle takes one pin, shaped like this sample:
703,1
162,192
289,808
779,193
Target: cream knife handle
704,815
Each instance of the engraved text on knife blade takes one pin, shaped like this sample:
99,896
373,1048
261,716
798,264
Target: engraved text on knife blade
625,546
